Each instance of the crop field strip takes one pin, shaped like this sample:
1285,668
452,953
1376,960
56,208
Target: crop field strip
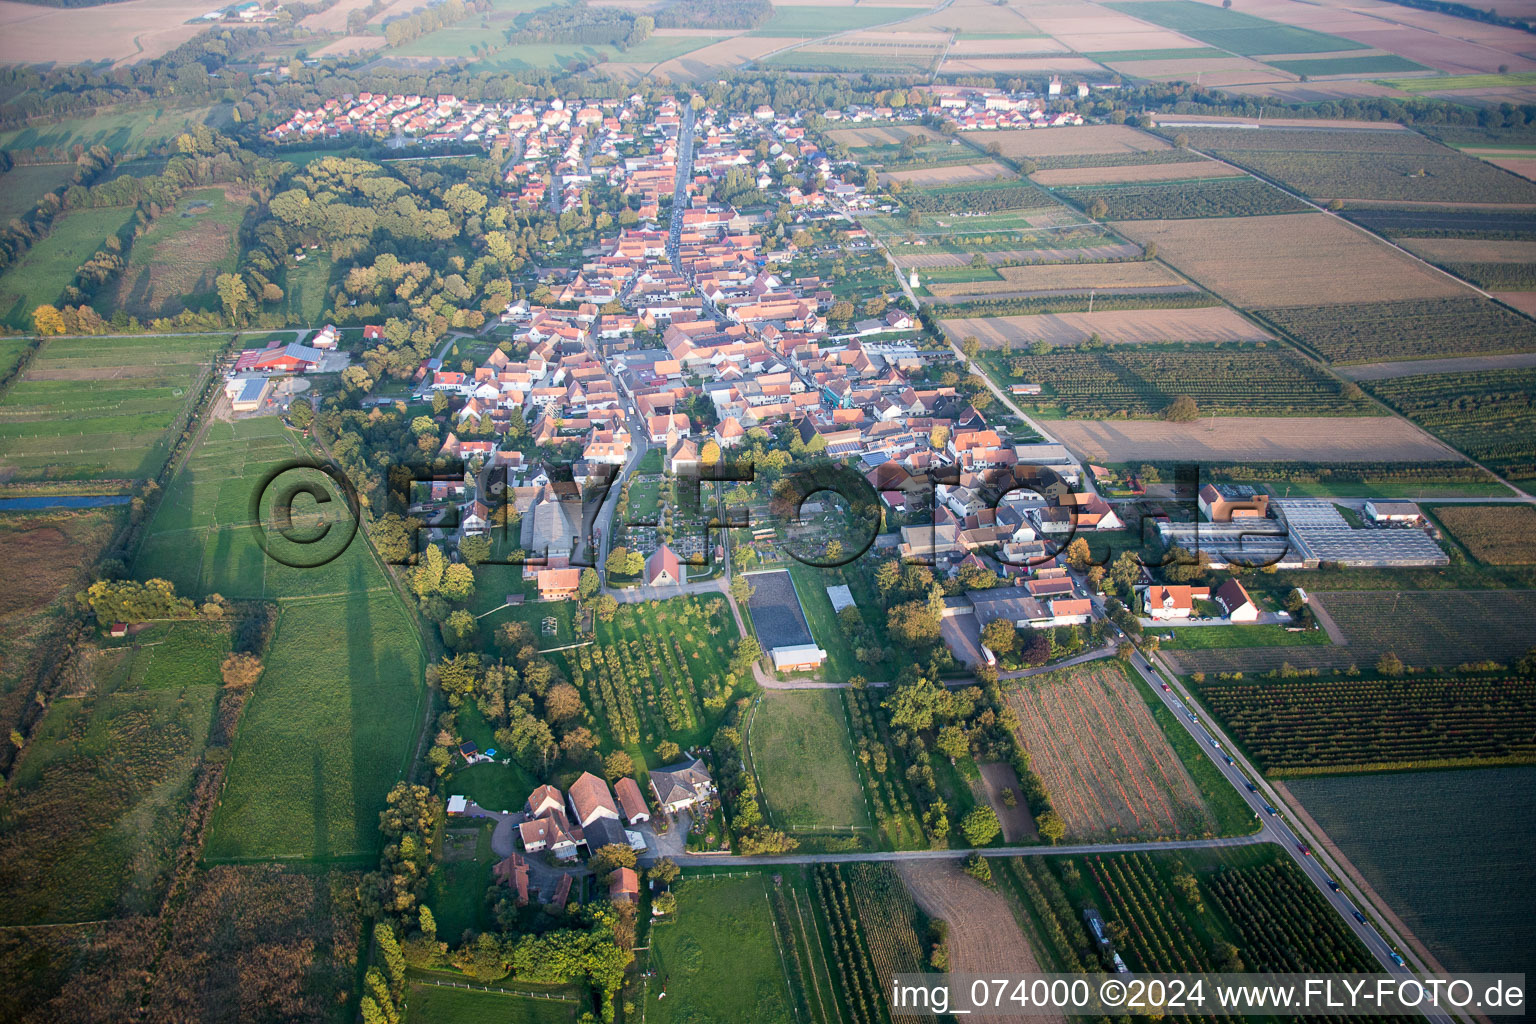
1445,850
1313,727
1363,332
1103,758
1235,196
1239,33
1144,380
1493,534
1489,414
1362,164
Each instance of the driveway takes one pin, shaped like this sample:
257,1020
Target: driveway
673,843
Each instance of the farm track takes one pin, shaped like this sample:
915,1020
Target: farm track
984,937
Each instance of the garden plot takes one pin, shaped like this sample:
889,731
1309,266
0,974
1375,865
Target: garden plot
956,174
1105,762
1289,260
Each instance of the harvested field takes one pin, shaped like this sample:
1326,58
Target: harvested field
1414,367
1497,534
984,937
1132,172
351,44
992,47
1473,250
1050,277
1099,138
1182,67
1213,323
957,174
1280,439
997,779
1102,757
727,53
1525,302
1018,65
1289,260
333,19
127,32
894,135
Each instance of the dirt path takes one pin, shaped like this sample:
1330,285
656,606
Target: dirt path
1324,619
1349,869
984,937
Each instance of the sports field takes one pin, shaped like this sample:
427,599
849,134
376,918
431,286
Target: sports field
102,407
804,761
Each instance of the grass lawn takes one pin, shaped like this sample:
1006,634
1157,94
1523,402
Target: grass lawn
516,57
23,185
95,809
331,726
133,129
645,501
1370,489
662,48
496,787
439,1004
812,22
1205,638
804,761
39,276
1447,83
811,584
723,929
11,351
304,289
137,390
459,881
172,266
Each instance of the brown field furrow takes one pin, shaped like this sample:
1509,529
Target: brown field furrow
1106,251
984,937
1472,250
1258,438
1212,323
1018,65
1099,138
126,32
953,175
1300,259
1103,760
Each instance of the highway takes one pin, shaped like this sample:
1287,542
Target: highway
1278,827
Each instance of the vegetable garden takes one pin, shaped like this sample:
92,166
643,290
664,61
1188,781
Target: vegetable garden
1310,726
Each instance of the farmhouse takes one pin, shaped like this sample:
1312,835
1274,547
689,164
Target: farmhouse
591,799
513,872
552,832
1378,511
681,785
558,584
294,358
1175,602
624,887
632,801
1236,602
